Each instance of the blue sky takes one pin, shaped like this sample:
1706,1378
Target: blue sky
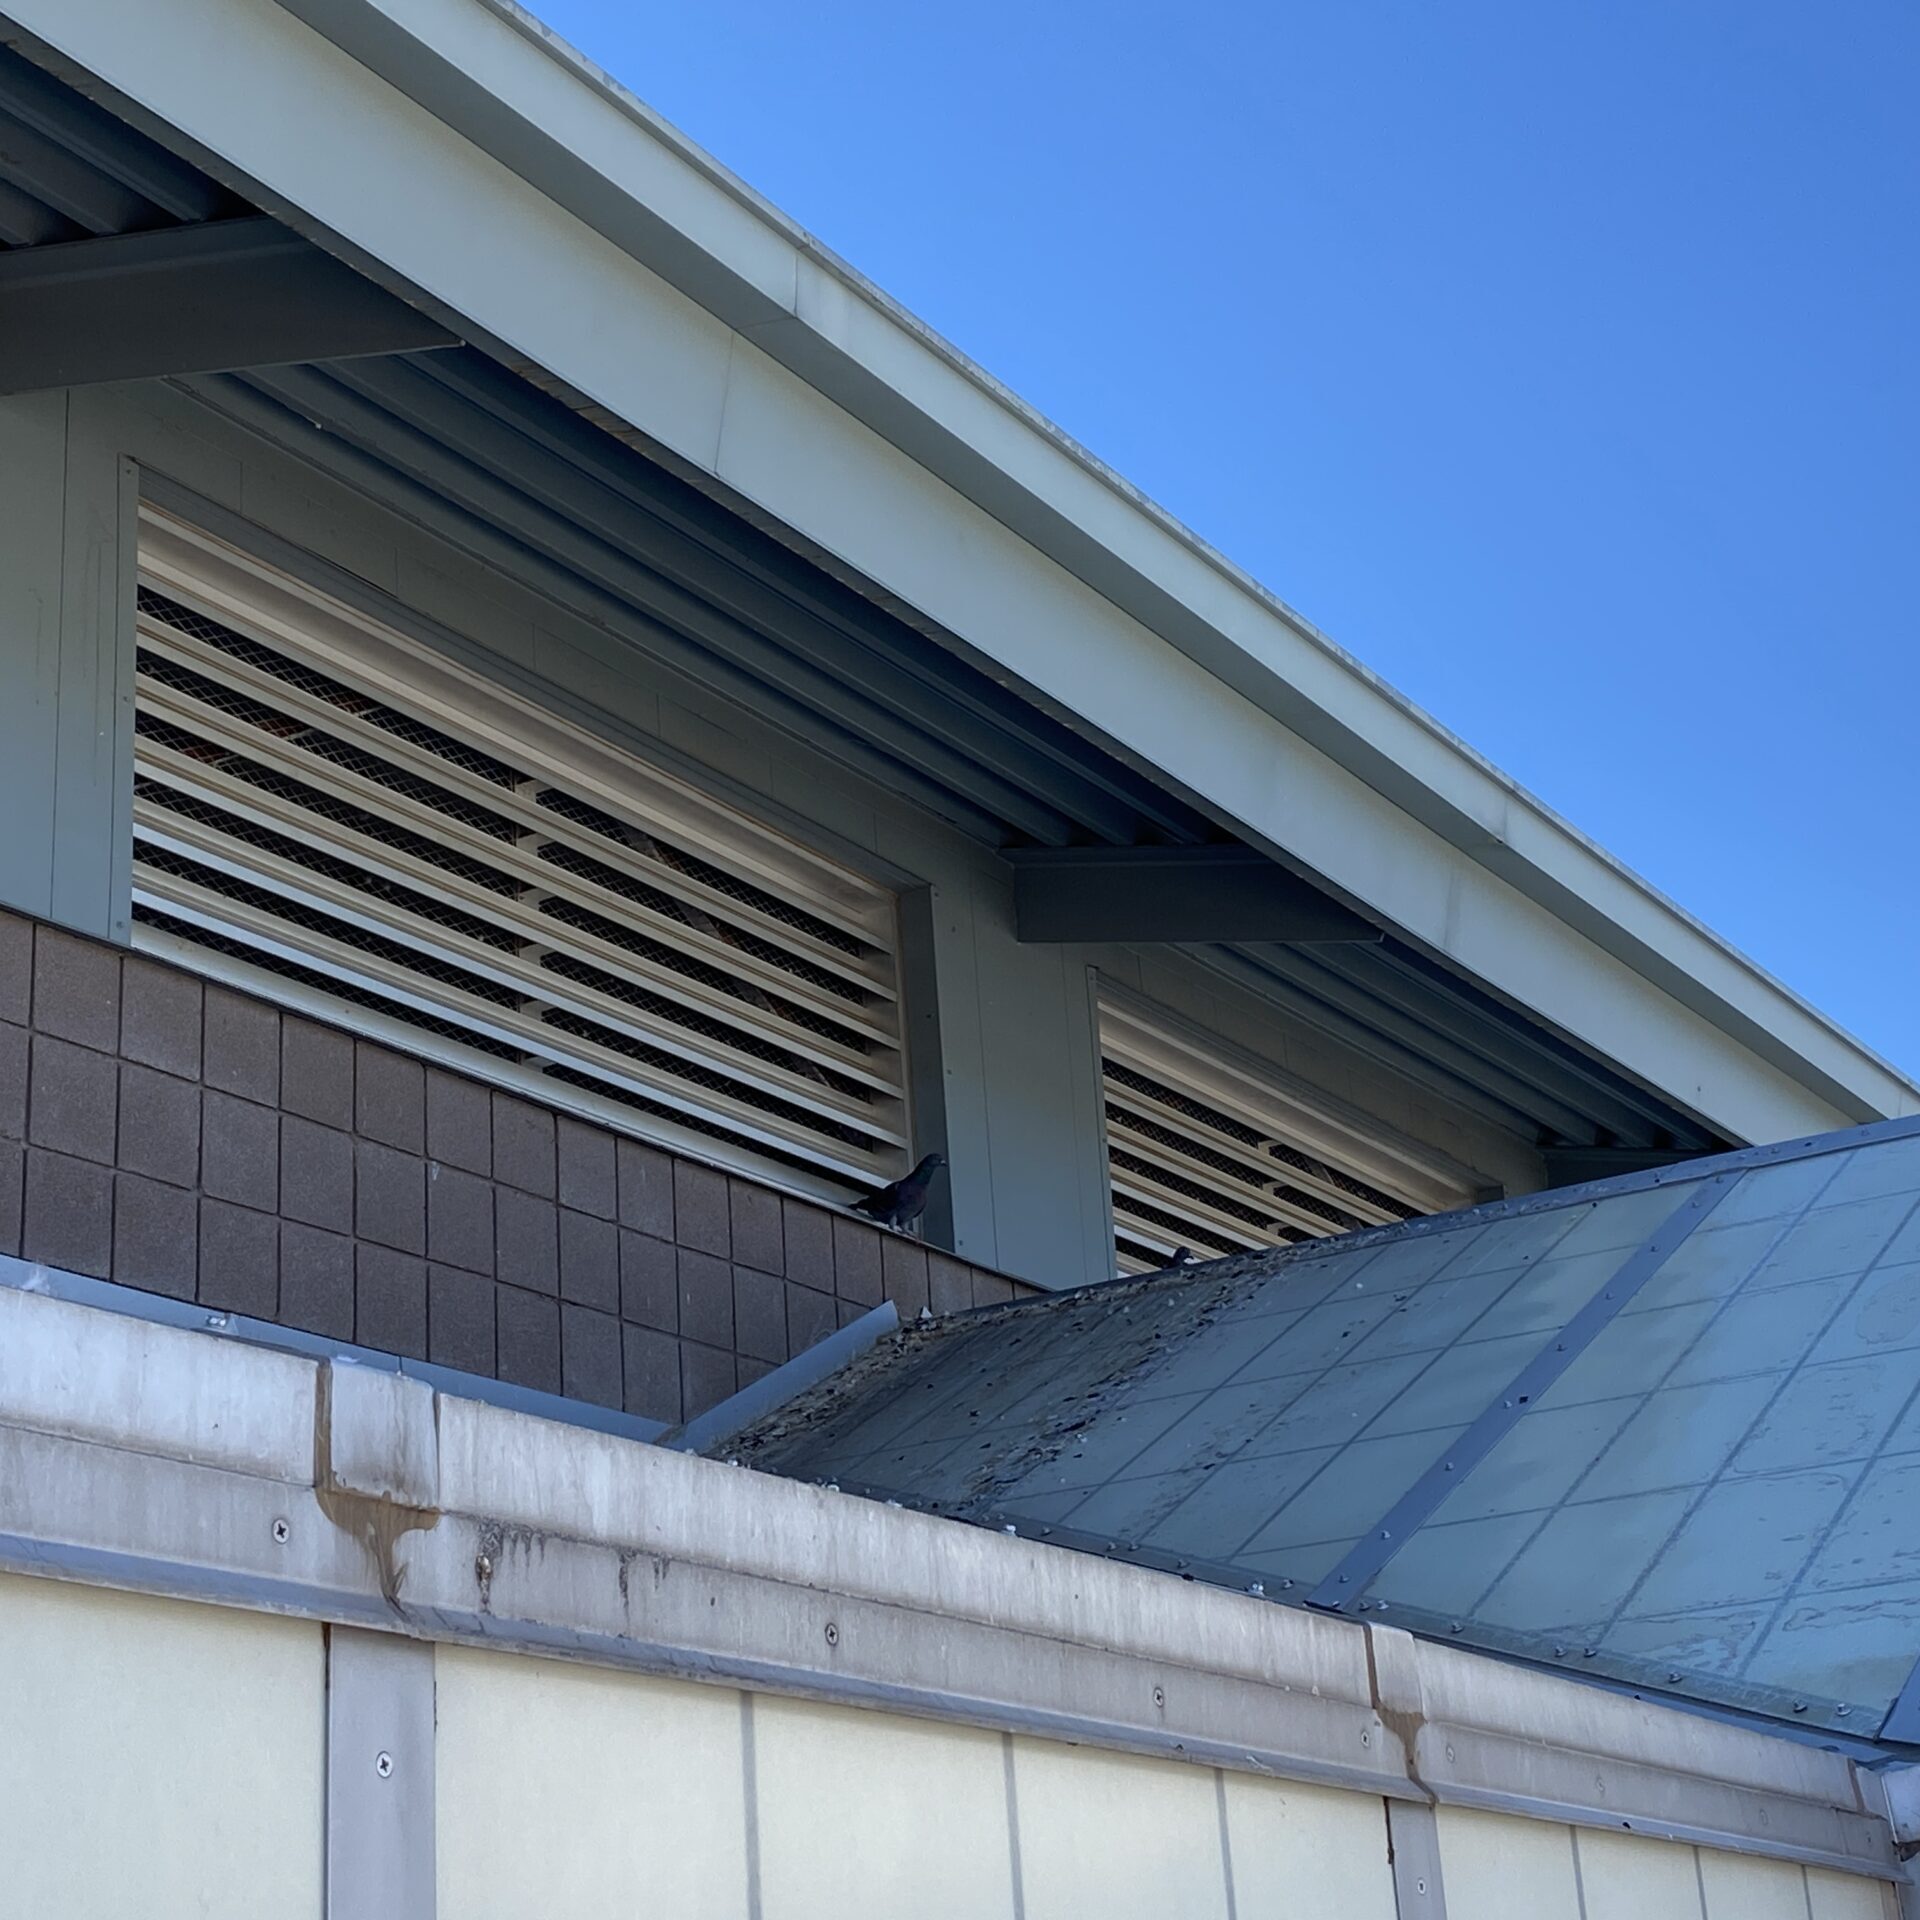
1559,361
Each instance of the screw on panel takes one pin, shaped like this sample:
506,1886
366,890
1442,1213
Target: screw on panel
281,1532
1159,1696
383,1765
833,1634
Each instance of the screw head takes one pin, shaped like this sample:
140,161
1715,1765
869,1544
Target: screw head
1159,1696
281,1532
833,1634
383,1765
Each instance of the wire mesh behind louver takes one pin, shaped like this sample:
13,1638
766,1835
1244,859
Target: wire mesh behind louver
1220,1159
331,814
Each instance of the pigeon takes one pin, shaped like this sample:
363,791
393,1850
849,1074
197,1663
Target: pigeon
902,1203
1181,1257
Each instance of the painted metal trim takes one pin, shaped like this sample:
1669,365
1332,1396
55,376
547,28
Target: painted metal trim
773,1390
1378,1545
380,1777
1413,1847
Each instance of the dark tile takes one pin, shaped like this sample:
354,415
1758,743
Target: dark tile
700,1211
808,1233
316,1280
316,1073
649,1282
590,1356
527,1240
903,1276
13,1167
949,1282
747,1370
239,1151
706,1298
72,1100
759,1314
757,1238
16,969
587,1181
652,1374
316,1174
523,1146
459,1218
390,1302
159,1125
13,1082
389,1097
239,1260
856,1262
589,1261
160,1016
527,1330
989,1289
76,989
810,1317
459,1123
389,1197
156,1236
240,1052
706,1378
68,1214
849,1311
460,1320
646,1189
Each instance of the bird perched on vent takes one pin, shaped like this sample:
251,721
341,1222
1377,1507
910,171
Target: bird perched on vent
902,1203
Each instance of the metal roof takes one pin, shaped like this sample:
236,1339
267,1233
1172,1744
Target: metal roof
1662,1431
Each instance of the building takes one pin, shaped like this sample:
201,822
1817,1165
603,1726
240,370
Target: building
553,737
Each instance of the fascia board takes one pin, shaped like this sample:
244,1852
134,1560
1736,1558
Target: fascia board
512,185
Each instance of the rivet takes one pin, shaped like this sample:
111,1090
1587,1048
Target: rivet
1673,1679
1366,1739
1159,1696
833,1634
281,1532
1419,1886
383,1765
1449,1749
1799,1706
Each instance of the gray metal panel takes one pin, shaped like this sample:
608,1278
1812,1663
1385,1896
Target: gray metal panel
380,1777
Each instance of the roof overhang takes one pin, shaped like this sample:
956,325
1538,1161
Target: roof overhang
455,150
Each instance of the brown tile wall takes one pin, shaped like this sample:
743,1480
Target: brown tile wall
196,1142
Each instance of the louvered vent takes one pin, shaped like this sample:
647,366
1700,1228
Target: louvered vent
327,812
1219,1157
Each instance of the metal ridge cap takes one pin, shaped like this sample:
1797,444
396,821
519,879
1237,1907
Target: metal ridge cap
1356,702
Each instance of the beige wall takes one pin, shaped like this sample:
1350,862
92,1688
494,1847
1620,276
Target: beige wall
166,1759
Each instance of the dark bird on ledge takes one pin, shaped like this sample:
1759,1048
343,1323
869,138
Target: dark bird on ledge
902,1203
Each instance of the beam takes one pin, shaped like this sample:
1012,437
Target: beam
196,299
1575,1166
1185,894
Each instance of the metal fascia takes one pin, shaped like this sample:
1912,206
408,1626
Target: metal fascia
1402,1520
1903,1717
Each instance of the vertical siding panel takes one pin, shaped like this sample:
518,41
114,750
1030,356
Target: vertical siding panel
869,1813
1308,1850
1495,1865
1845,1896
1626,1876
1109,1834
1739,1887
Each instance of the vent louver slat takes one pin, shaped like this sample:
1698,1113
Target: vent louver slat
327,812
1222,1160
